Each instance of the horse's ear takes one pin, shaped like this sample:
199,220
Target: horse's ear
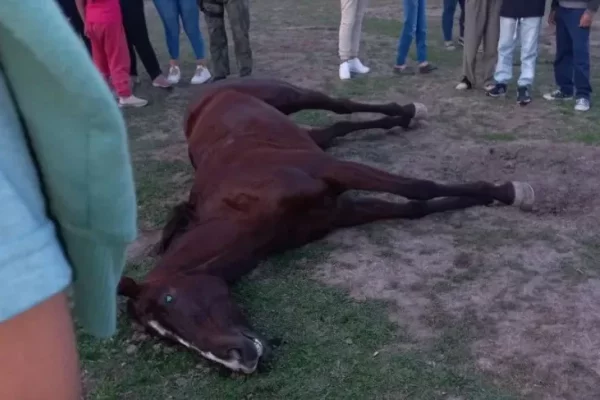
128,288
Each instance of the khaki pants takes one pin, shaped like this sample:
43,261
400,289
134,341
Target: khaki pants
482,23
353,12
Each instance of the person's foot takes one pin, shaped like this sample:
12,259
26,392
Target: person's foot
403,70
461,41
498,90
357,67
201,75
161,82
174,75
489,86
449,45
132,101
464,84
557,95
426,68
582,104
345,71
523,95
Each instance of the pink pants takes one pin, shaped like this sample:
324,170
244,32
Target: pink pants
111,55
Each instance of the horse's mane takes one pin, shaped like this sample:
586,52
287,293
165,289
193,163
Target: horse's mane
178,222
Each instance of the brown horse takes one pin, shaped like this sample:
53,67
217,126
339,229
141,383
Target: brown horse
264,185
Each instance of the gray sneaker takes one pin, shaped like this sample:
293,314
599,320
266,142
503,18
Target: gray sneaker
557,95
582,104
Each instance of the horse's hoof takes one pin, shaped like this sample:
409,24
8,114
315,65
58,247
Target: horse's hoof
524,196
420,111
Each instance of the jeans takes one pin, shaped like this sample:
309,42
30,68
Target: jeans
415,27
448,18
527,30
170,11
572,63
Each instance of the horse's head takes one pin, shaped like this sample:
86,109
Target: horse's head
198,312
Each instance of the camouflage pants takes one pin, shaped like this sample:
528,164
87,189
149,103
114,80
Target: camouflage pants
239,21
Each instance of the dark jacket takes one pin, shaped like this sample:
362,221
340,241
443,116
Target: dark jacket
522,8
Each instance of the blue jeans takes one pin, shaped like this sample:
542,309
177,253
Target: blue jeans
572,63
415,27
527,31
448,18
170,11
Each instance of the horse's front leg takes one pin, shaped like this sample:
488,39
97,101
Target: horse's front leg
347,175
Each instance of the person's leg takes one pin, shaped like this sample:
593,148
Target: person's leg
409,31
134,21
354,62
448,20
475,12
563,62
421,38
529,33
190,18
506,47
99,56
490,42
168,10
461,21
581,60
217,36
70,11
238,12
347,21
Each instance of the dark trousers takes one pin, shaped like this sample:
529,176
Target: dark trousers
239,20
572,63
136,32
69,9
448,18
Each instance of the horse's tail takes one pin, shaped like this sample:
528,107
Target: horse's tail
178,223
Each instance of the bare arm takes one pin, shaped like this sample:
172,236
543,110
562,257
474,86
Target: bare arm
39,354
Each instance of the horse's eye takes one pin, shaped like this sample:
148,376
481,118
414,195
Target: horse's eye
168,299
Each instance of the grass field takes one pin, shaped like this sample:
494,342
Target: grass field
489,303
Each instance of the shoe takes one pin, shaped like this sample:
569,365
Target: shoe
498,90
464,84
174,75
161,82
449,45
345,71
406,70
357,67
427,68
523,95
201,75
582,104
461,41
489,86
132,101
557,95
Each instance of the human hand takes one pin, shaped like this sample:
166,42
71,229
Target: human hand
552,18
586,19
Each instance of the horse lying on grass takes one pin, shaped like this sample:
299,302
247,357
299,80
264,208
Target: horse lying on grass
264,185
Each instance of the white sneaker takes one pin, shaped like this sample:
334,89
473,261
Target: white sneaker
174,75
357,67
201,75
345,70
132,101
582,104
449,45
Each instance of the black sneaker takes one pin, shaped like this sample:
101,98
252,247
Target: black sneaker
498,90
523,95
461,42
558,95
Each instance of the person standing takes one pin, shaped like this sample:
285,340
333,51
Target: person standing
573,20
353,12
136,33
238,12
104,26
448,22
482,24
170,11
415,27
520,21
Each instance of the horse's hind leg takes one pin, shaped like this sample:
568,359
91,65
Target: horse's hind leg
305,99
323,137
353,212
347,175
